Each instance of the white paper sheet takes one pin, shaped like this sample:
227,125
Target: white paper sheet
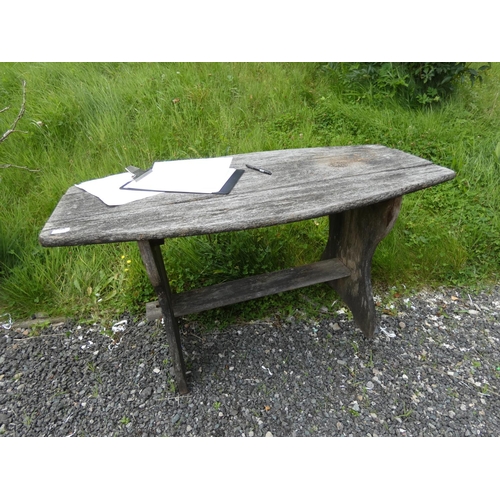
108,189
207,175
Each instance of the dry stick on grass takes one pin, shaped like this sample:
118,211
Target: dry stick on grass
13,129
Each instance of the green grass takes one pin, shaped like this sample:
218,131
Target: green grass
89,120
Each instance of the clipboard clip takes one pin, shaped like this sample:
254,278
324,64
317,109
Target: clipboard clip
137,172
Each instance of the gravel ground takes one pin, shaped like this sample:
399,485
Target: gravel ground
432,370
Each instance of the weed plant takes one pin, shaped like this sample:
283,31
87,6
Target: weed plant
87,120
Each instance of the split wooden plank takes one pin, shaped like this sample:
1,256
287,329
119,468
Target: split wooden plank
305,183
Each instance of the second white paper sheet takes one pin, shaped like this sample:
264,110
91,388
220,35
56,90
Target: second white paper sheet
108,189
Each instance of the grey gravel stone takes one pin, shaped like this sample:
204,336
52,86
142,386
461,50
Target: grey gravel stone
437,376
146,393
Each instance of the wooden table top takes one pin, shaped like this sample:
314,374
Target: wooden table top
305,184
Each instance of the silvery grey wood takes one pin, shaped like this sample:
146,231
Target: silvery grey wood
360,188
305,183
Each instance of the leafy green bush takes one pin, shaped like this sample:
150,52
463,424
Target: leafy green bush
415,82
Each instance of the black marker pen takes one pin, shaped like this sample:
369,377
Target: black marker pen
259,169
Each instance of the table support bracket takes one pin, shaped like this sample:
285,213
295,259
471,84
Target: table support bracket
153,261
353,238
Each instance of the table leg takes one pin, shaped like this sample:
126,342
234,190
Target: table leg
155,267
353,237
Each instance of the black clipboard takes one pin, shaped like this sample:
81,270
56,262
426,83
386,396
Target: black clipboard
138,173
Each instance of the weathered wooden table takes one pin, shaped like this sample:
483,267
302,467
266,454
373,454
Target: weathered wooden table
360,188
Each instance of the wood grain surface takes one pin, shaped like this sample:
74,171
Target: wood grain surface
305,183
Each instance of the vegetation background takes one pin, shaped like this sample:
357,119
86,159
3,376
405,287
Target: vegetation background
87,120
